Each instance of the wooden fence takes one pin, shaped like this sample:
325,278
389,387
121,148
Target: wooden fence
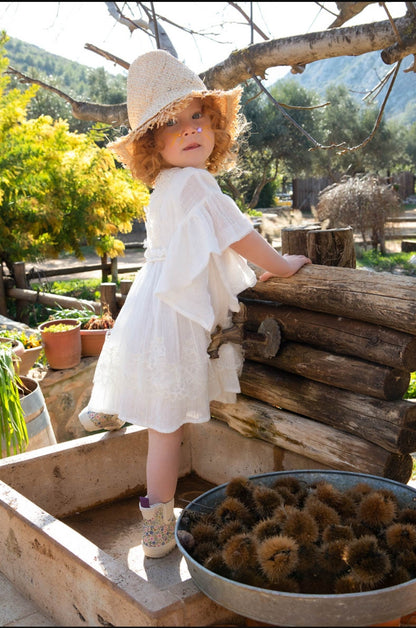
306,191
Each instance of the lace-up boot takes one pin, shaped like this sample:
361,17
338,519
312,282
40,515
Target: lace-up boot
158,528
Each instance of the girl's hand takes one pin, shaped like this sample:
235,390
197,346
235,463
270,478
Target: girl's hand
294,261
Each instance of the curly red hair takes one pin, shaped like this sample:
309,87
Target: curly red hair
146,162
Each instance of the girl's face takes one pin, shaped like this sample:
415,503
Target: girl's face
187,139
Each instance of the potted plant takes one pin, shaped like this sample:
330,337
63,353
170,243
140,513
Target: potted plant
30,342
61,341
94,327
25,423
13,432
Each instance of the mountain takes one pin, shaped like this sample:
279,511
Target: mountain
360,75
77,79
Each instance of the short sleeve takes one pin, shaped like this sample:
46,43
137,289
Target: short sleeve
200,269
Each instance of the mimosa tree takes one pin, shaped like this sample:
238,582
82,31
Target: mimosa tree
58,190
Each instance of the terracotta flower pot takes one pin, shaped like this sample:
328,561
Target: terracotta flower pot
62,348
92,341
28,359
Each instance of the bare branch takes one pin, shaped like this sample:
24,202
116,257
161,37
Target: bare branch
108,56
115,115
132,25
249,21
303,49
379,117
348,10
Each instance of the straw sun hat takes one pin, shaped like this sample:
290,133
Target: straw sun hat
158,86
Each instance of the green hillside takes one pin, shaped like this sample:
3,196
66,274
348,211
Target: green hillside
361,74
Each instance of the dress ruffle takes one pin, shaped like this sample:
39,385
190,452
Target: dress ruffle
202,277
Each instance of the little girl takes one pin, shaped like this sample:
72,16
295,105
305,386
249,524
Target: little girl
154,369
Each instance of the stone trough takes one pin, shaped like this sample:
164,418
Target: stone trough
70,526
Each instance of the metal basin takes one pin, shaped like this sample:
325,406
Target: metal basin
297,609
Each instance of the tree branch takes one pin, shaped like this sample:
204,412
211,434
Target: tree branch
304,49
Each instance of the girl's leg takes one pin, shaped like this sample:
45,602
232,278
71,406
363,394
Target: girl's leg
162,467
157,508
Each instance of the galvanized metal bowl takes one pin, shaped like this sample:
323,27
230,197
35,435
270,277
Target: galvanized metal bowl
297,609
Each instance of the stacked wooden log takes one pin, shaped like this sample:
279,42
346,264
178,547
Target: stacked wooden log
334,390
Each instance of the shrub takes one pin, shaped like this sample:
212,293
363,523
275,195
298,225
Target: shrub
363,203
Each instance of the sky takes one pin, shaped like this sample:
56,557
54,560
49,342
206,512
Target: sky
63,28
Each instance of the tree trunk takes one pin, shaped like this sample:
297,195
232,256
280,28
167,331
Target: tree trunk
294,239
389,424
324,444
380,298
331,247
338,334
364,378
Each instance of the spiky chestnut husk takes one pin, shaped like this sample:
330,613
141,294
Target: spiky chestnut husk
358,491
407,515
336,499
191,517
309,559
252,577
293,484
201,551
288,498
332,557
287,585
240,552
281,513
400,537
278,557
317,583
302,527
229,530
266,528
241,488
408,561
266,500
215,563
204,532
336,532
323,514
347,584
368,563
396,576
231,509
376,510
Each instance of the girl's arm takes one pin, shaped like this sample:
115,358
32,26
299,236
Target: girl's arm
258,251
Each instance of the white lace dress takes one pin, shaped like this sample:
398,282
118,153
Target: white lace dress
154,370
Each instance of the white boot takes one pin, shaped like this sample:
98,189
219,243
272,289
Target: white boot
93,421
158,528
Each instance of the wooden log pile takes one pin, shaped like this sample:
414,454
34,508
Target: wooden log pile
334,390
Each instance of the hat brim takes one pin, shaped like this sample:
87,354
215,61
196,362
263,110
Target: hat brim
228,103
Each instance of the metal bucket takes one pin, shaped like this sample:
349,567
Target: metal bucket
297,609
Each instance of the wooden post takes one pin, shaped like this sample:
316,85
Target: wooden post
294,240
114,269
331,247
19,273
104,269
125,285
108,297
3,303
